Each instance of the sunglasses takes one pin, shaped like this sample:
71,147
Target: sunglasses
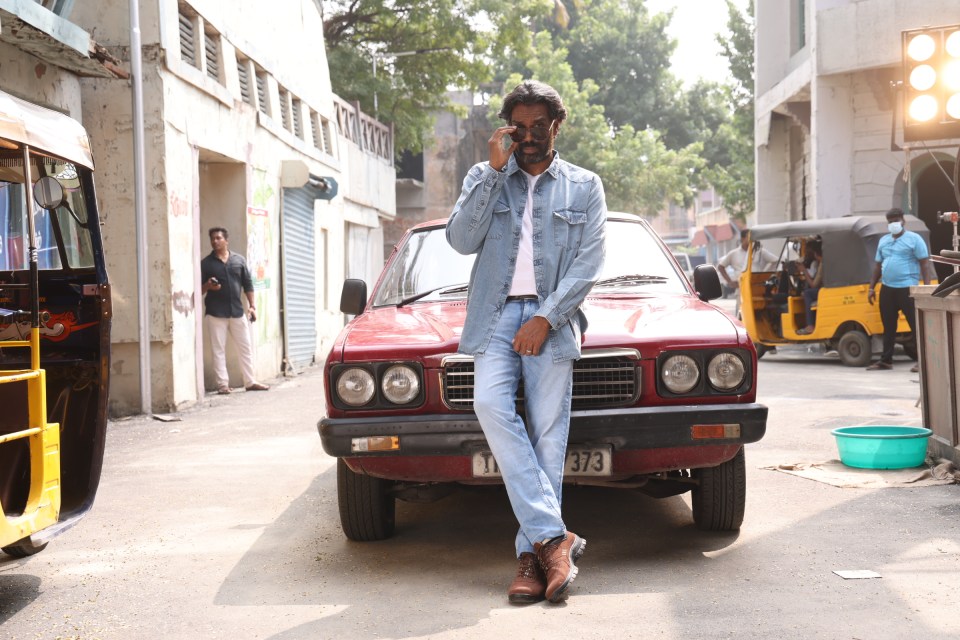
539,133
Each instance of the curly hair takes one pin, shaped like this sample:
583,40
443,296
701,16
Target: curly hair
534,92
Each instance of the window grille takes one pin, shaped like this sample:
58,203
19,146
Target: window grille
297,118
188,43
262,103
211,43
285,109
243,75
315,130
325,131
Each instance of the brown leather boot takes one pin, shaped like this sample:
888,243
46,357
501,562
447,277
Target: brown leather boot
557,558
530,584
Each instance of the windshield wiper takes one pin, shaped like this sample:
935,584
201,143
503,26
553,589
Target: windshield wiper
444,290
620,281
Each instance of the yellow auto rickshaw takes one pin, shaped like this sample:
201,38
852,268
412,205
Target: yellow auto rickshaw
55,320
772,305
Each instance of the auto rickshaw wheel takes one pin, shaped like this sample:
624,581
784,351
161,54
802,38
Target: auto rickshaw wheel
367,508
854,348
761,349
23,548
719,498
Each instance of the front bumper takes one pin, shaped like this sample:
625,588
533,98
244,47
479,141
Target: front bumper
628,429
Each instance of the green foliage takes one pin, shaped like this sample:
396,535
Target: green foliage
639,172
631,120
453,39
733,174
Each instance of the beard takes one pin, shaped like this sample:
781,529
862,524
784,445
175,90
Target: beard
533,152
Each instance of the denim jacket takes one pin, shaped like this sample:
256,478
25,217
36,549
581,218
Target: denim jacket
569,217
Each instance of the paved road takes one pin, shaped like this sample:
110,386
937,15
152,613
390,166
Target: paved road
225,525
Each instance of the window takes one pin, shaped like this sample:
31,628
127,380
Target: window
315,129
243,75
188,39
325,131
263,104
297,117
62,235
211,45
285,109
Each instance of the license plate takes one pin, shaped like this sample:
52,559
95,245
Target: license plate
581,462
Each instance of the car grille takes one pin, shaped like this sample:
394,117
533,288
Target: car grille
598,381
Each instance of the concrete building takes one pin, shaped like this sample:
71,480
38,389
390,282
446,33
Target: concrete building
828,117
242,131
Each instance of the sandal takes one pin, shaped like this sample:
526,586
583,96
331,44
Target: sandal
804,331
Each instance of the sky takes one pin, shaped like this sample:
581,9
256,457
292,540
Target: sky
693,26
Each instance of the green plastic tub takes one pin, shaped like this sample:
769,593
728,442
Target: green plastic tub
882,447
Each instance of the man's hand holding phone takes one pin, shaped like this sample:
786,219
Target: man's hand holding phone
500,151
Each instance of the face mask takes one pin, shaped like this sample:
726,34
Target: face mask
895,227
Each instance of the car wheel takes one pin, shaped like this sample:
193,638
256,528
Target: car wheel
23,548
367,507
720,495
854,348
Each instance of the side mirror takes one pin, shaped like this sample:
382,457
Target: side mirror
706,281
353,298
49,193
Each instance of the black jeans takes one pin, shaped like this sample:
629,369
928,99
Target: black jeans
892,301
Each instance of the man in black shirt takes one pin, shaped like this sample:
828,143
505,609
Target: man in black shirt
224,274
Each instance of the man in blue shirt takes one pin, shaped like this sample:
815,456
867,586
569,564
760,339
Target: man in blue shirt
902,260
536,224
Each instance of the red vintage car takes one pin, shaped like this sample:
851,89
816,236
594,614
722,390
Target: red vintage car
664,393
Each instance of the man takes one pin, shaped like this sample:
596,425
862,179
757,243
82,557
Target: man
736,259
223,274
536,224
902,259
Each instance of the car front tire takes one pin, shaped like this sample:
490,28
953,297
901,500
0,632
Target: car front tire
367,508
720,495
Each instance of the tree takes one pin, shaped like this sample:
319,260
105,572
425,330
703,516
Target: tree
455,40
639,172
733,174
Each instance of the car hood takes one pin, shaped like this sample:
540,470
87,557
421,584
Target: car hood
655,321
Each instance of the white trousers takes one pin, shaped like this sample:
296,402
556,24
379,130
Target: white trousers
239,329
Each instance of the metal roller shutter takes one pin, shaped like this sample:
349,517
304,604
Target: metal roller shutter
299,277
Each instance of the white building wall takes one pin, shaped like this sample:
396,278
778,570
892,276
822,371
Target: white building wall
832,133
211,156
852,54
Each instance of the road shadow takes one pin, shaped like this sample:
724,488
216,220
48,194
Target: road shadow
453,558
17,591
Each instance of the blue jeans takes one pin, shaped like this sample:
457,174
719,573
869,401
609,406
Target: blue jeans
530,456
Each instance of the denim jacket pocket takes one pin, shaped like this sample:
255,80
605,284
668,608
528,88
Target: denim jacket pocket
568,227
501,222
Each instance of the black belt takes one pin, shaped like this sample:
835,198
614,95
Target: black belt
521,298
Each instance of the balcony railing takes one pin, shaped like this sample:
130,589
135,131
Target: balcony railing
371,135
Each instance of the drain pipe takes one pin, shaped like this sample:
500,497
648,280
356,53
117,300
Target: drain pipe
140,187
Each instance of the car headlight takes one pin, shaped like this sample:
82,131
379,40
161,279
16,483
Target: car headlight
726,371
355,386
400,384
680,373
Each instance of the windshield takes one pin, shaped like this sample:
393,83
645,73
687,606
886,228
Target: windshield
62,235
427,269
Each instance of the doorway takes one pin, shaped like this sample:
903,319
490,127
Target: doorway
222,188
935,195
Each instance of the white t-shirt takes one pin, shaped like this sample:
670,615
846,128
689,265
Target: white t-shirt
524,282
